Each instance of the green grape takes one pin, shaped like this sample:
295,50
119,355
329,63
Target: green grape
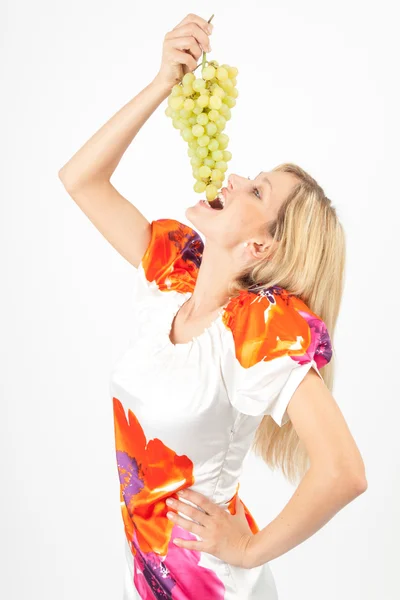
176,90
213,145
221,165
217,175
209,162
198,85
217,155
229,101
215,102
211,128
200,108
208,73
219,92
189,103
203,140
220,122
227,86
201,151
196,161
200,186
198,130
188,136
211,191
204,171
213,115
222,74
202,101
188,78
202,119
223,140
175,102
187,89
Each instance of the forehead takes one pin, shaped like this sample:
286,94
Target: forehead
278,183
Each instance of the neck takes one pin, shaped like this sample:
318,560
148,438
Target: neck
215,274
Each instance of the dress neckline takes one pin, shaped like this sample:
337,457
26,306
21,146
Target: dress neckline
181,299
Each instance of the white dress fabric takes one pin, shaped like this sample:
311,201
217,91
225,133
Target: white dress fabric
185,415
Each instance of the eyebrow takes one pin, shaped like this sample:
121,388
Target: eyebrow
265,179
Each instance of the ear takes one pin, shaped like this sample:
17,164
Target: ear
259,250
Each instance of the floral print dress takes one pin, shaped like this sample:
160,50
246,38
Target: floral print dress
185,415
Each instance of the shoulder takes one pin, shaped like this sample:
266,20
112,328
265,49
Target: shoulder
273,323
173,255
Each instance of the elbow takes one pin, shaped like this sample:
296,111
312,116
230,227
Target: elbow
352,482
62,177
356,484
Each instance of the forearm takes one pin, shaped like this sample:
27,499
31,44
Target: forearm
315,501
99,156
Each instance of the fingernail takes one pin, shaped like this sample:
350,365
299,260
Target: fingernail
209,28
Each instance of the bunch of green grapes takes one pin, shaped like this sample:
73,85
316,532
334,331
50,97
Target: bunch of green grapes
200,109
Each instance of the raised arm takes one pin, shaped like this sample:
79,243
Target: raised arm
86,176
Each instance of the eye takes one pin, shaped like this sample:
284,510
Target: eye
255,191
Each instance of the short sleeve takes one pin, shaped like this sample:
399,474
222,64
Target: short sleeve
277,340
172,258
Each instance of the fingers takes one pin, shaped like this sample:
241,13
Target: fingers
191,18
198,515
200,500
191,29
187,43
183,58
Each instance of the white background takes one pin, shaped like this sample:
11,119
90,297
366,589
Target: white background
317,86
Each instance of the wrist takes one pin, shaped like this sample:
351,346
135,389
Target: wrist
251,555
162,85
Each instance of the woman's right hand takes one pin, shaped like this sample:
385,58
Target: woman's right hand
182,48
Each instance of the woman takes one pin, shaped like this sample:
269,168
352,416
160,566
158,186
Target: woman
231,338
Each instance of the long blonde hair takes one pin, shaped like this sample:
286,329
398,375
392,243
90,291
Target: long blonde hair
309,262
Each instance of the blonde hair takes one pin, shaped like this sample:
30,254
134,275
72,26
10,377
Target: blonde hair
309,262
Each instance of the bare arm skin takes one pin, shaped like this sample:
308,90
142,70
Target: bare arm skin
86,176
336,475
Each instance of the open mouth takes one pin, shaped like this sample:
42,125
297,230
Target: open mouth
217,204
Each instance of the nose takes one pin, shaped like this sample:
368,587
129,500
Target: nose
231,181
234,179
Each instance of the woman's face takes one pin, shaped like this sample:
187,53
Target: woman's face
249,205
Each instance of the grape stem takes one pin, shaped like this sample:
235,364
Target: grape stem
203,62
